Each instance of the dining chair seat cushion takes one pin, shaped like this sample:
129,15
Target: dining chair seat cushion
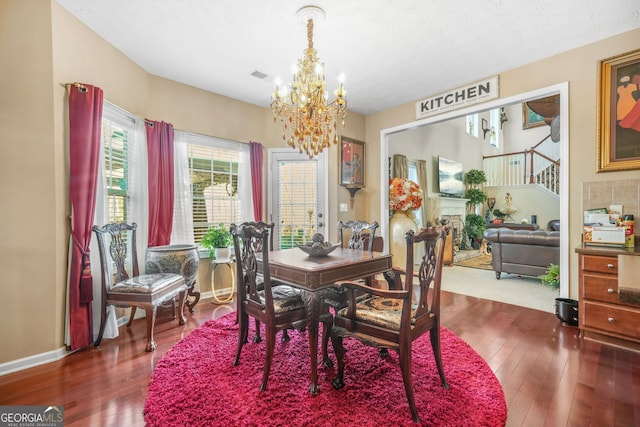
379,311
147,283
274,283
285,298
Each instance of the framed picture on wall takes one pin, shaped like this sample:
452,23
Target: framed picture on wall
351,162
619,113
530,119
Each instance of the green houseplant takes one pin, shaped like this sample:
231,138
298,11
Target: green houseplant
474,179
551,277
474,228
217,237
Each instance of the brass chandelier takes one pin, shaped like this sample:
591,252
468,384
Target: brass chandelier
310,124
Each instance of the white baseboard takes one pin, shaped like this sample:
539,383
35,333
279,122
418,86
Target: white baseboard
52,356
32,361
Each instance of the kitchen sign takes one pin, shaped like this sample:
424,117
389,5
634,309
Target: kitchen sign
474,93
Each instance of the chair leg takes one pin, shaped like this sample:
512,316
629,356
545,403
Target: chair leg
133,313
103,324
434,335
285,336
257,337
151,322
182,298
405,367
270,334
338,349
243,331
327,326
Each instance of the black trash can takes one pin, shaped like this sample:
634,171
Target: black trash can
567,311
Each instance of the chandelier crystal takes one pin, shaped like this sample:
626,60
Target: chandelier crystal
310,124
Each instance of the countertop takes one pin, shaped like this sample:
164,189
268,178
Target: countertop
608,250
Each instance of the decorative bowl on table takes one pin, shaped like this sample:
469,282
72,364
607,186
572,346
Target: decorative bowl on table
317,247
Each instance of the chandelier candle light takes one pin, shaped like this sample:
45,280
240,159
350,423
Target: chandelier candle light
310,123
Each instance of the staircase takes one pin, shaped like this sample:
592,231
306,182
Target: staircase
534,166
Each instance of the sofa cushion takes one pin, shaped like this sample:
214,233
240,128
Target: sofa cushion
523,237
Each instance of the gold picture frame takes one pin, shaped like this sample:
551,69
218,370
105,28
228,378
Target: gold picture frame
619,113
530,119
351,162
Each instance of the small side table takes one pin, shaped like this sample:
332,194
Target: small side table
229,263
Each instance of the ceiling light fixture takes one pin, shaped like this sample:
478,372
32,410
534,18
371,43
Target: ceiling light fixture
310,124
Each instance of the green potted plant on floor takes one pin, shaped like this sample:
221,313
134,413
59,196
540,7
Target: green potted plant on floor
218,240
474,228
551,277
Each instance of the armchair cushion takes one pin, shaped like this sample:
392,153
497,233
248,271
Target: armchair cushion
285,298
380,311
146,283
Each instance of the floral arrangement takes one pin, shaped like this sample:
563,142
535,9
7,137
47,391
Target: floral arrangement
404,194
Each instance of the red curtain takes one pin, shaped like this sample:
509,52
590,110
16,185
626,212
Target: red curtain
85,118
255,155
160,151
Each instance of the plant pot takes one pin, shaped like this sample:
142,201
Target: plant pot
222,253
567,311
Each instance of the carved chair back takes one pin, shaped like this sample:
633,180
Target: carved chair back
362,234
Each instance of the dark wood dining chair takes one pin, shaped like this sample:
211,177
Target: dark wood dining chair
361,235
122,288
390,319
261,225
278,307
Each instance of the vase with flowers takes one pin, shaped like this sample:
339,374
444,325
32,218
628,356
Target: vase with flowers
404,196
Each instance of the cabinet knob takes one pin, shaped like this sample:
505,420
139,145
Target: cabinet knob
609,265
611,291
611,320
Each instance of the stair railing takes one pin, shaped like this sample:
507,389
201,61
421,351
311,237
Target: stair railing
531,166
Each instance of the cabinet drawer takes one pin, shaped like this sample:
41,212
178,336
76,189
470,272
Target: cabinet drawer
600,264
613,319
600,287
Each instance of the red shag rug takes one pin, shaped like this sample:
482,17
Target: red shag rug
195,384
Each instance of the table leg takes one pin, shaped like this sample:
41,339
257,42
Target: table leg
313,304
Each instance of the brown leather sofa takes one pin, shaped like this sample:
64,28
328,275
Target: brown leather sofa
523,252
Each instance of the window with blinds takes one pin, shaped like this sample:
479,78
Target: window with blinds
214,184
115,141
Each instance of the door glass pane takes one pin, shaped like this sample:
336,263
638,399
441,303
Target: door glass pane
297,202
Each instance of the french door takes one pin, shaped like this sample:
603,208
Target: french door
297,196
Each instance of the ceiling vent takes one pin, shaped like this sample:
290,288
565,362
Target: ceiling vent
259,74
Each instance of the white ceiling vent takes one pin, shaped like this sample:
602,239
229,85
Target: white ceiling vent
259,74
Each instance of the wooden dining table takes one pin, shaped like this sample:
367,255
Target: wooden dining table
313,274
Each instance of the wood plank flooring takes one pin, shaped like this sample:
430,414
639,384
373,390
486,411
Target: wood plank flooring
550,375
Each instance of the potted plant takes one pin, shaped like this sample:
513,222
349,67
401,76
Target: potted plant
217,240
551,277
474,228
566,308
474,179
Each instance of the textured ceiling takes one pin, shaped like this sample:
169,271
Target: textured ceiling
390,51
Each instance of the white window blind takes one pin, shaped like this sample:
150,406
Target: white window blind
117,129
219,180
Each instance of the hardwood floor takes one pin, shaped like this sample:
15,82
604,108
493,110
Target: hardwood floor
550,376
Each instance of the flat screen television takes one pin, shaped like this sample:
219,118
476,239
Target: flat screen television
450,178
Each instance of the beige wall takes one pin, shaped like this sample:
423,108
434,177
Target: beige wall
43,47
580,68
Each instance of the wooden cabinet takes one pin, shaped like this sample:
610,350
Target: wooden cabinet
601,311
